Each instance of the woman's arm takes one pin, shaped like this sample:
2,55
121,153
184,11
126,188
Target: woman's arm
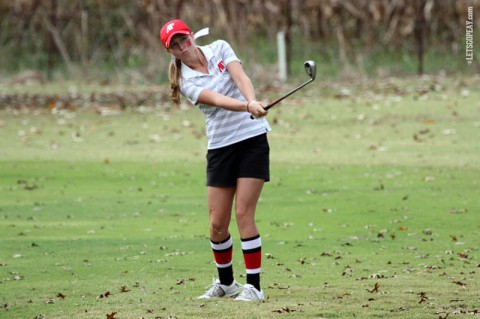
213,98
245,86
242,80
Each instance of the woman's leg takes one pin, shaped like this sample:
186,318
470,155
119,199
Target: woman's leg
220,201
248,193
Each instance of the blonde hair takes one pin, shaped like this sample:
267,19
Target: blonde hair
174,73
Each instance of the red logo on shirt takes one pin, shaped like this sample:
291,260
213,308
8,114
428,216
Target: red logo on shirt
221,67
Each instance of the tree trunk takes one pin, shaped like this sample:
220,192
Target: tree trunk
420,33
288,34
51,41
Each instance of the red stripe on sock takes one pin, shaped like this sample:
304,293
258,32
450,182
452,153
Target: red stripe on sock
224,257
253,260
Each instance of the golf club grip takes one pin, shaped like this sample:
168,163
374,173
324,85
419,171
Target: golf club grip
267,107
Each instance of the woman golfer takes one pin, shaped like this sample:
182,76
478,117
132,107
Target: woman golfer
213,79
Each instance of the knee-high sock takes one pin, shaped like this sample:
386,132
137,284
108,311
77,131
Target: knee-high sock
223,252
252,254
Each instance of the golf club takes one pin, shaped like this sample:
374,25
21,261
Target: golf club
311,70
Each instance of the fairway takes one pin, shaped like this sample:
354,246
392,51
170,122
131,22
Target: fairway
372,210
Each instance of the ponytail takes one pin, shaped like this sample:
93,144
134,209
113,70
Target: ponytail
174,77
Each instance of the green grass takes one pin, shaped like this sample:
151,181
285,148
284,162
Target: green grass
372,210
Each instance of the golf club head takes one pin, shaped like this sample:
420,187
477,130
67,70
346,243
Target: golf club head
311,69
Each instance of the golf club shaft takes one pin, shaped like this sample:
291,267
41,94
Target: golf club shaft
284,97
287,95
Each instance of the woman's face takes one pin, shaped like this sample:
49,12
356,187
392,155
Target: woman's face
182,46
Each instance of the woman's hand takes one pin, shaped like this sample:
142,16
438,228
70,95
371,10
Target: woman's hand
256,109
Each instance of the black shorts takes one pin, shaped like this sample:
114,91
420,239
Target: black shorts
248,158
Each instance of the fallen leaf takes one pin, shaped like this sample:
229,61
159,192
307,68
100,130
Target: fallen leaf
417,139
284,310
124,289
105,295
111,316
463,256
30,187
375,288
347,272
469,312
428,232
398,309
423,297
458,211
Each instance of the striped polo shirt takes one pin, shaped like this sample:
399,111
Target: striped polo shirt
223,127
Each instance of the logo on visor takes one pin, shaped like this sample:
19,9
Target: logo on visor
170,27
221,67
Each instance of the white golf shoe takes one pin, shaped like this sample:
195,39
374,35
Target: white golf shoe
217,290
250,293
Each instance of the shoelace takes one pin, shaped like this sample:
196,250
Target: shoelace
213,288
248,293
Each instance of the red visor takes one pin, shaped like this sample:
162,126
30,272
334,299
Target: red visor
170,29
